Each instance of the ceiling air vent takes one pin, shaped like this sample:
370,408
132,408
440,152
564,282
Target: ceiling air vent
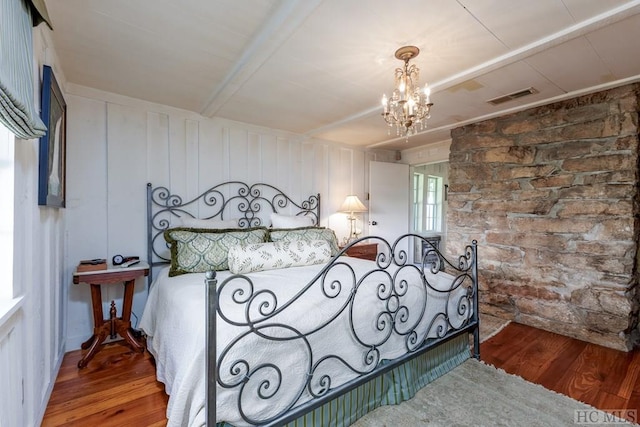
513,95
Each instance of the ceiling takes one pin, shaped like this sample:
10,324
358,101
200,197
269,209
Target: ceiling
318,68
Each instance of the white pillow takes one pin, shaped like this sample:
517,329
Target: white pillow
286,221
273,255
207,223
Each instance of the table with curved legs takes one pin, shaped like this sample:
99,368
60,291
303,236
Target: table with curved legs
114,325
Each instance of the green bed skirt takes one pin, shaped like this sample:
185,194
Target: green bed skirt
392,388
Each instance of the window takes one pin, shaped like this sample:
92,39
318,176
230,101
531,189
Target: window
427,203
433,204
418,192
428,198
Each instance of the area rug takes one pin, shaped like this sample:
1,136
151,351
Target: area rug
490,326
477,394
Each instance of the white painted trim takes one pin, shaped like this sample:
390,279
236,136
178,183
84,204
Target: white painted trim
39,416
430,153
8,307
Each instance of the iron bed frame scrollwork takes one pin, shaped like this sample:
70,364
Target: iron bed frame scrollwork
393,319
265,378
250,205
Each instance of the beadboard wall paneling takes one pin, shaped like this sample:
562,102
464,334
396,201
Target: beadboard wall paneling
38,279
86,210
116,145
11,372
126,203
158,161
33,337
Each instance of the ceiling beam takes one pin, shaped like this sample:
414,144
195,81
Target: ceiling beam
279,26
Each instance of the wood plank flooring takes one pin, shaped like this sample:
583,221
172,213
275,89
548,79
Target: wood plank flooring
118,388
604,378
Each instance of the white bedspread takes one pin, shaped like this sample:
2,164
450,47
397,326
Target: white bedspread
174,321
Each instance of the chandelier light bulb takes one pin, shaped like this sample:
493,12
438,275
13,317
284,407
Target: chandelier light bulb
411,104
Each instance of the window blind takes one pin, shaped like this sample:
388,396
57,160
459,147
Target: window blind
17,109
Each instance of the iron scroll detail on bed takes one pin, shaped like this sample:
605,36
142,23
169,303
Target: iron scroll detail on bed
347,326
399,316
249,204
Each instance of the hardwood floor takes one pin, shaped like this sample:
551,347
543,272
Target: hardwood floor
604,378
118,387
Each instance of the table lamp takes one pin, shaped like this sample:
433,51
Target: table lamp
352,205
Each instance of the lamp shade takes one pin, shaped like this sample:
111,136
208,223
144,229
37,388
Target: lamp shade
352,204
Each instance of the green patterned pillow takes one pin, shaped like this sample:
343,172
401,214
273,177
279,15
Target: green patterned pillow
197,250
305,233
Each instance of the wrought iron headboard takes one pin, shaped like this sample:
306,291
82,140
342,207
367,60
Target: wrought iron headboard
251,205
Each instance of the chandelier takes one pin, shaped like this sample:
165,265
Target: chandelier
409,106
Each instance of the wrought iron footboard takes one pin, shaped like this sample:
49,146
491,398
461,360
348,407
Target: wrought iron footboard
396,316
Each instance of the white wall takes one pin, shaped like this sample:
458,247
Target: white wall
118,144
38,261
32,332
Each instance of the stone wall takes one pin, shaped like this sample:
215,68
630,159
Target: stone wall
551,196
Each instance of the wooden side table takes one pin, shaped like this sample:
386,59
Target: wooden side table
363,250
113,325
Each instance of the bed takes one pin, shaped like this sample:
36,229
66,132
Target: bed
310,337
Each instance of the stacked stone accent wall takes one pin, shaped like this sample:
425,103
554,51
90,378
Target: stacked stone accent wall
551,196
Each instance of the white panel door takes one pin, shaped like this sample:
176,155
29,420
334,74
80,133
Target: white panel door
389,201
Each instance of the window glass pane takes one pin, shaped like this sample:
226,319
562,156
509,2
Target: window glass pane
418,191
433,204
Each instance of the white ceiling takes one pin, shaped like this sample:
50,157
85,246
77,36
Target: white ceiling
319,67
